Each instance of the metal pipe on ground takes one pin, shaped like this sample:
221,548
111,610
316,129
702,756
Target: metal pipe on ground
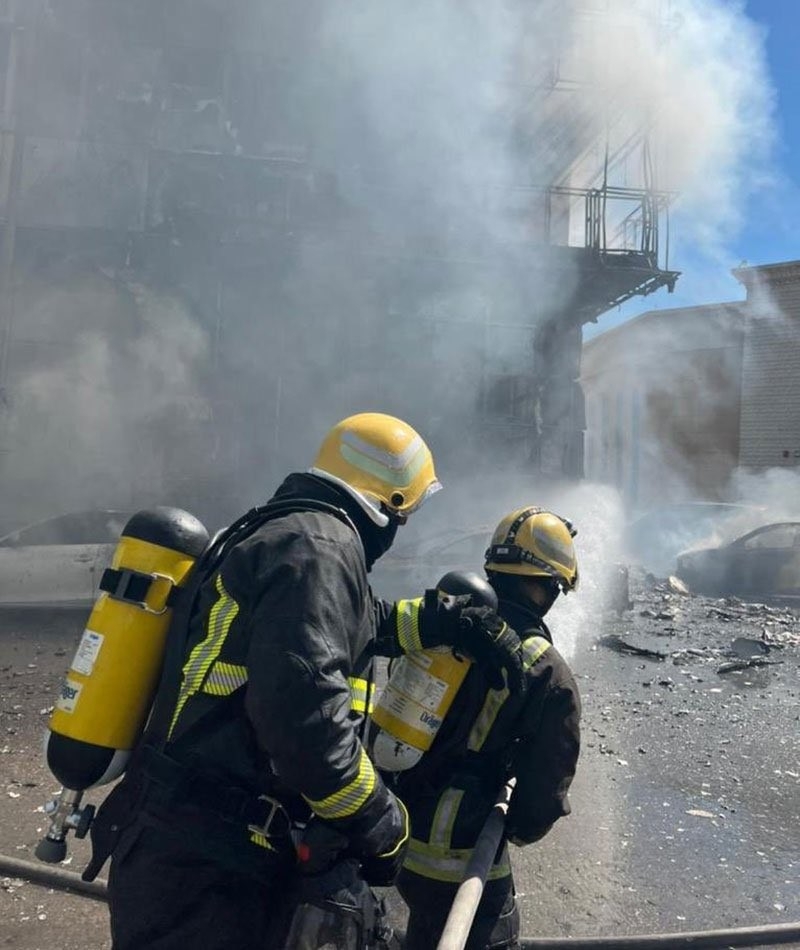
53,877
766,936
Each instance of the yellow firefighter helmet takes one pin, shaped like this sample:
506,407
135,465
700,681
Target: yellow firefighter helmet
535,543
381,461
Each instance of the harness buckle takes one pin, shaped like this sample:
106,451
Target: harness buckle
275,811
134,587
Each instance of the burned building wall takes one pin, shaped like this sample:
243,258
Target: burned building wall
299,210
202,170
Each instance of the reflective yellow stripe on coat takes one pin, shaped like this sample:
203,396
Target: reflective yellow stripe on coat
448,864
532,649
407,620
436,859
358,694
222,615
349,799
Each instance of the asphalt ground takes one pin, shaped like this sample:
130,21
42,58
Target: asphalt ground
686,806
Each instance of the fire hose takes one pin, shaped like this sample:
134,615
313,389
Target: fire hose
59,878
770,935
465,904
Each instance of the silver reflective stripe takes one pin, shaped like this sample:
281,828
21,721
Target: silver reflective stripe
448,864
224,678
532,649
393,460
444,818
486,717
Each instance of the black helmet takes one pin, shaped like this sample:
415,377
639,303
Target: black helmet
456,583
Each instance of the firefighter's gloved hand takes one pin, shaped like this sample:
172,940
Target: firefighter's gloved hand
380,870
488,640
320,847
439,618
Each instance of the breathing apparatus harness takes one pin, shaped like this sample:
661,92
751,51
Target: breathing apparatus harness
155,779
335,908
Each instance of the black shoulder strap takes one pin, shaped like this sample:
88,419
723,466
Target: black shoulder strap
209,561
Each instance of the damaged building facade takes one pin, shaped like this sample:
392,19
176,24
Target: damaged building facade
225,224
680,401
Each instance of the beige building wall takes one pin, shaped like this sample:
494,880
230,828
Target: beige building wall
770,419
662,404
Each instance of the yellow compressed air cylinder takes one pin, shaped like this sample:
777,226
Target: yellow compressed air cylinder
109,687
422,687
412,706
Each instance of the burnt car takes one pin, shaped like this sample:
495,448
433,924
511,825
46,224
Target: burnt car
58,562
657,537
763,564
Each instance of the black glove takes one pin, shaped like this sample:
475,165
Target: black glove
488,640
319,847
377,839
380,870
440,618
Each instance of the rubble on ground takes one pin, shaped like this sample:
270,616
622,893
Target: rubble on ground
727,633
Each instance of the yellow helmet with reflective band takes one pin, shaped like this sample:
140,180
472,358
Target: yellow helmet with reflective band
381,461
536,543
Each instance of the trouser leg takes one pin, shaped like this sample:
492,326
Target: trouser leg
162,897
496,923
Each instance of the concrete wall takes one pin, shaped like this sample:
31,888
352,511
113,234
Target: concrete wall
680,400
662,404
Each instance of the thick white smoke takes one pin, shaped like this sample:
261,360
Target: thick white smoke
444,118
693,73
100,423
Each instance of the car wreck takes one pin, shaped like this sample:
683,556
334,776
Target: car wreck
764,563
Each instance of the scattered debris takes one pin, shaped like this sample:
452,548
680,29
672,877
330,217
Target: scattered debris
720,614
676,585
746,648
744,664
619,599
616,643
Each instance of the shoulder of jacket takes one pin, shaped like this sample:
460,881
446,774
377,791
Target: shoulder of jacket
534,647
307,527
539,651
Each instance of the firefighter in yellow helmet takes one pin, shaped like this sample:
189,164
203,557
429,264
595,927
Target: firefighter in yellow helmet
490,736
252,769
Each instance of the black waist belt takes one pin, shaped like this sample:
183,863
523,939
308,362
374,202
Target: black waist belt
169,784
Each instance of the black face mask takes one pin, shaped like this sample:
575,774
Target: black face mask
514,588
378,540
552,590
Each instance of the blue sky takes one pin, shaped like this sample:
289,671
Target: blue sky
770,230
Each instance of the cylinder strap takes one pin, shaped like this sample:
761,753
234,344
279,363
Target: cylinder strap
134,587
